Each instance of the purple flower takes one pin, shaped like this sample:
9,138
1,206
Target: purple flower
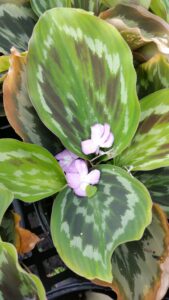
66,160
79,179
100,137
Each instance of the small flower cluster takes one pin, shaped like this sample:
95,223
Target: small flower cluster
77,174
76,169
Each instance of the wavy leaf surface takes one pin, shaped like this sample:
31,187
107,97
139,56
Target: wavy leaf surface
145,33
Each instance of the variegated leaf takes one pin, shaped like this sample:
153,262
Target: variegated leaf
160,8
91,80
4,63
138,267
113,3
6,197
145,33
40,6
16,25
19,110
157,182
153,75
15,283
86,231
29,171
150,147
89,5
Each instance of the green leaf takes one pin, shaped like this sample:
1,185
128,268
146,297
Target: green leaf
153,75
29,171
138,267
4,63
145,33
86,231
112,3
16,25
15,283
40,6
6,198
91,80
19,110
150,147
159,7
157,182
89,5
91,191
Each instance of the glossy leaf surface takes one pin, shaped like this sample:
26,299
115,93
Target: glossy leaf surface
15,283
138,266
91,80
16,25
29,171
19,109
150,147
86,231
153,75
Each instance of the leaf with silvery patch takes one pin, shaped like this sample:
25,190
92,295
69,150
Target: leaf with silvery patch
152,75
131,21
86,231
91,80
16,25
150,148
29,171
19,109
22,285
140,268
